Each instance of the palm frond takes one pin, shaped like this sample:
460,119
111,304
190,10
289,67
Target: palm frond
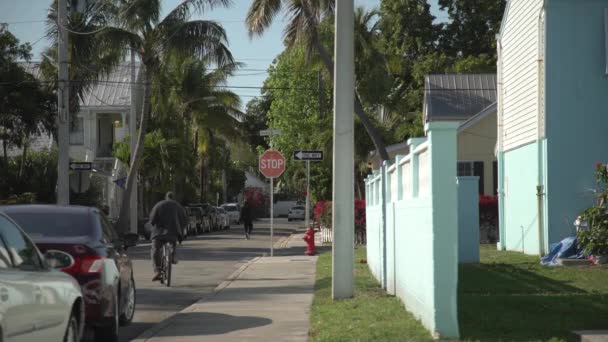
260,15
203,39
184,10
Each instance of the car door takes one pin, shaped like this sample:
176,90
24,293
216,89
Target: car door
118,252
20,286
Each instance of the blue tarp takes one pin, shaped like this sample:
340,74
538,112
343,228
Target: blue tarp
566,249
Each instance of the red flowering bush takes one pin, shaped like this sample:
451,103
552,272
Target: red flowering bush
323,216
488,218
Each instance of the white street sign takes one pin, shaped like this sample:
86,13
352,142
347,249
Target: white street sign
308,155
270,132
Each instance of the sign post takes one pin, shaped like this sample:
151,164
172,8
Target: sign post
272,165
308,156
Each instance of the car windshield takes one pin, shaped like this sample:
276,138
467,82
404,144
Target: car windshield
230,208
297,208
49,224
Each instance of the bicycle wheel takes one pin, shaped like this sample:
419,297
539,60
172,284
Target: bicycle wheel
168,263
163,270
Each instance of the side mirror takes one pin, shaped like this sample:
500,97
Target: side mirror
58,259
130,239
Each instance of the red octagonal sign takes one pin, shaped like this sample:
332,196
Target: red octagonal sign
272,164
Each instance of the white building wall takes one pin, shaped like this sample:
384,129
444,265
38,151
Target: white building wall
519,40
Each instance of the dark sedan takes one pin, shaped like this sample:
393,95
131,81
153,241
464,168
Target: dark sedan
101,267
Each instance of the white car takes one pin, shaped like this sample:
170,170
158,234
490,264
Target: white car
37,302
234,214
296,213
223,221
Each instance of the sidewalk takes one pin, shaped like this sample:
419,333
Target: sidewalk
267,299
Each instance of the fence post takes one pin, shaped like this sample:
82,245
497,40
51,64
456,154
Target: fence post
383,192
414,143
443,161
468,220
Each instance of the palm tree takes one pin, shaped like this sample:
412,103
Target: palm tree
138,25
304,19
87,59
205,106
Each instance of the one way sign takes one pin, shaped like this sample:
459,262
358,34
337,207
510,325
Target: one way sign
308,155
81,166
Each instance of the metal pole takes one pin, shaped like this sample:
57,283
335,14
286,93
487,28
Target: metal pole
343,185
307,192
271,216
63,109
133,133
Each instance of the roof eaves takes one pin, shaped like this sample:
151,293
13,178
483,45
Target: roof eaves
475,119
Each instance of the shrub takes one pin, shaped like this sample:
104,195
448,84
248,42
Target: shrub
488,218
594,240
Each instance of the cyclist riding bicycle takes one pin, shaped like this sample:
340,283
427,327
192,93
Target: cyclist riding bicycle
167,218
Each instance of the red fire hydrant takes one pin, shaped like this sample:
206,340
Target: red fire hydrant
309,237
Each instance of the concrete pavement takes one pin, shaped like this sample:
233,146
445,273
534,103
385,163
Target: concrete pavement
267,299
204,262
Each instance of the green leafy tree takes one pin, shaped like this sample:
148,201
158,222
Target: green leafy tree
26,107
473,26
302,31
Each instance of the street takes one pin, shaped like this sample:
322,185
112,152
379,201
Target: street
204,262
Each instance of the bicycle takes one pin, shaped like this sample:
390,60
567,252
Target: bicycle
166,263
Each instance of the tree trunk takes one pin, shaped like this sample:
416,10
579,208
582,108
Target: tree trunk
359,111
203,177
123,217
5,149
23,160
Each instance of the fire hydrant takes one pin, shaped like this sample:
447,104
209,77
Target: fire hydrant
309,237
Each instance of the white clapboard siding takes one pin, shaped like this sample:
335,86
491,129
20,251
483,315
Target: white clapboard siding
520,73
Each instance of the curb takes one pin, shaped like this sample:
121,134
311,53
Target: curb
150,333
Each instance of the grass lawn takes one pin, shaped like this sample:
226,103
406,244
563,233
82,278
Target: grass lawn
508,297
511,297
371,315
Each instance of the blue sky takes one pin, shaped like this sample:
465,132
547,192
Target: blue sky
256,53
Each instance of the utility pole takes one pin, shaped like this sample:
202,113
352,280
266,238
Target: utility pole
133,132
343,185
63,108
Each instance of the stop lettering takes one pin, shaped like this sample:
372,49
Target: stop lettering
272,164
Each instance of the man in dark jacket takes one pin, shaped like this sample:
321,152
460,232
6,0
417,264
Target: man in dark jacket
167,218
247,218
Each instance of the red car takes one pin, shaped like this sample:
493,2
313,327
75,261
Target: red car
102,267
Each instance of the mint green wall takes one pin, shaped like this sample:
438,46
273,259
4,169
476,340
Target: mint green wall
468,220
576,108
520,201
413,238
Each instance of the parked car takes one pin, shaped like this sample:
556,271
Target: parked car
233,211
296,213
214,218
101,265
37,302
207,220
222,218
194,221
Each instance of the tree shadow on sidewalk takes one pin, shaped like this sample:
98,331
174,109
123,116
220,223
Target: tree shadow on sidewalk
208,323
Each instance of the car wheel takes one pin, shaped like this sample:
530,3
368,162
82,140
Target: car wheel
288,220
129,310
109,333
71,331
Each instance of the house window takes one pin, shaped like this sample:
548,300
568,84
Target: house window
77,132
472,168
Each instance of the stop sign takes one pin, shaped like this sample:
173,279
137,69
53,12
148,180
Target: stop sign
272,164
